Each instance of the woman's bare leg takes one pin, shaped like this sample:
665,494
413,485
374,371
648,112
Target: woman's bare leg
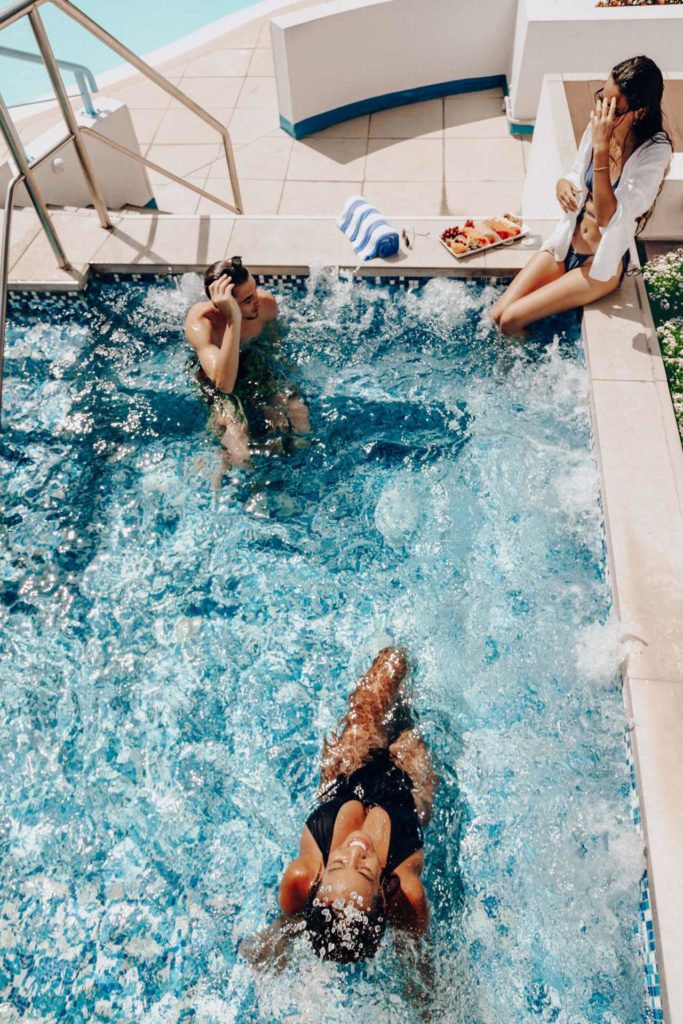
541,269
570,291
364,725
410,753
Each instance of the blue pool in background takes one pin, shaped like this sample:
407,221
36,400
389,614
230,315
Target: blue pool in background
144,27
175,645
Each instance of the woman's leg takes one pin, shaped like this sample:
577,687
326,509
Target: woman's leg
569,291
541,269
410,753
364,726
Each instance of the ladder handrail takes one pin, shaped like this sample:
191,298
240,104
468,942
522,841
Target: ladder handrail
85,80
25,167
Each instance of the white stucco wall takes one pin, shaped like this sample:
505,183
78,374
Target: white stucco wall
575,36
351,50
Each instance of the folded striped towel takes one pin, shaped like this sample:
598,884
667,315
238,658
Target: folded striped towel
367,230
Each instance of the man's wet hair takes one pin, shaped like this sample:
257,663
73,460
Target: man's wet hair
234,267
342,932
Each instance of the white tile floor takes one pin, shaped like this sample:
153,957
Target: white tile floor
442,156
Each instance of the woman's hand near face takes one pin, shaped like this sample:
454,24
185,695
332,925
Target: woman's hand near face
566,195
602,125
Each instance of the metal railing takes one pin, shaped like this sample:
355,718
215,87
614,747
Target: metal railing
85,80
25,167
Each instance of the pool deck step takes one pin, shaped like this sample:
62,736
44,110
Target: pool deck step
144,242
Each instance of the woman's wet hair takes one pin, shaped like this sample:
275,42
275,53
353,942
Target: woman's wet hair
234,267
642,84
341,931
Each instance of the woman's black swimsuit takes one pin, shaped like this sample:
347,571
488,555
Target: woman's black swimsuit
575,259
379,783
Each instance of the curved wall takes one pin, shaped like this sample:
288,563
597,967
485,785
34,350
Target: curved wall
350,57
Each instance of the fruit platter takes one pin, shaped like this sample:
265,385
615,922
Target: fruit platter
475,235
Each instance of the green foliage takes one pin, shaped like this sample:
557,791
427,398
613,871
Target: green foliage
664,280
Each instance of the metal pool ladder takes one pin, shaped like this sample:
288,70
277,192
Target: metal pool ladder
75,132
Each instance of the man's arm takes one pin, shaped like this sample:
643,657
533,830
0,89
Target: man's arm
219,364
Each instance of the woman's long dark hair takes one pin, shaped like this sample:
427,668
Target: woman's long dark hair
641,82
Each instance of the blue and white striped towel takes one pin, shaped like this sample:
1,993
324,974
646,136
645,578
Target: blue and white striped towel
367,230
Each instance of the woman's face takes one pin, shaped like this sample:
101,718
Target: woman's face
610,91
353,872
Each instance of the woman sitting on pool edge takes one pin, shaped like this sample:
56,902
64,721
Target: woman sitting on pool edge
361,852
622,160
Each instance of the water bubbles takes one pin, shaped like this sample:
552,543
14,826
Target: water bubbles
178,653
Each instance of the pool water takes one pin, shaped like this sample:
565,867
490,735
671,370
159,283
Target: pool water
137,25
175,645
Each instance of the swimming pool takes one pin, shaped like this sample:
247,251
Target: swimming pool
137,25
173,654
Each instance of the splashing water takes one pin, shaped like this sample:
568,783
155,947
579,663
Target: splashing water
173,654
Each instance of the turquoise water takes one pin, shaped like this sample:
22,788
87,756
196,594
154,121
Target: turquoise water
143,27
175,647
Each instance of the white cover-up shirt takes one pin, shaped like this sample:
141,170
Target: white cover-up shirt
637,190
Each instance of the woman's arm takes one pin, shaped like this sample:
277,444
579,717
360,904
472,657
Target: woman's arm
408,908
300,875
602,126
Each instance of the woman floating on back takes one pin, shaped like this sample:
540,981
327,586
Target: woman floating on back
361,852
606,198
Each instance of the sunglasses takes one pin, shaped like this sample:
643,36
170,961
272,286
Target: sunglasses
599,96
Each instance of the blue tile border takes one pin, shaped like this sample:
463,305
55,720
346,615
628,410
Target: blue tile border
318,122
652,981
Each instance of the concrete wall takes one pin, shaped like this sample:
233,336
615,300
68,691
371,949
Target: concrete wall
122,180
347,52
349,57
575,36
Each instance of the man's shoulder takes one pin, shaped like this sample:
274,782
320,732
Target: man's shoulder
268,304
200,319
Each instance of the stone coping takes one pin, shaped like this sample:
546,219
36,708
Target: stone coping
641,466
636,442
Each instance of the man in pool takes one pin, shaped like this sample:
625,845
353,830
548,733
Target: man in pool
235,348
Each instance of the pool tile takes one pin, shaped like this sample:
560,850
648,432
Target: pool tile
262,62
249,125
187,128
635,436
166,241
219,63
415,120
173,198
327,160
210,93
316,198
146,123
396,198
485,198
291,242
483,160
474,116
184,159
140,92
258,196
264,158
354,128
657,707
258,92
414,160
619,344
24,229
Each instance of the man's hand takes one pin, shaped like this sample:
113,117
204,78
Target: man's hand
602,125
566,195
221,295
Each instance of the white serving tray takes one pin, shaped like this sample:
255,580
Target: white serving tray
481,226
